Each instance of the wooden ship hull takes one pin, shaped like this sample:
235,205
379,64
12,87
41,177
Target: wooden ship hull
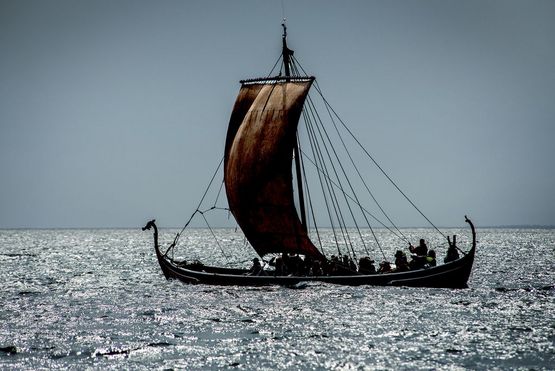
451,275
454,274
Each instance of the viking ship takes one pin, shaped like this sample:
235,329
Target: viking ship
263,168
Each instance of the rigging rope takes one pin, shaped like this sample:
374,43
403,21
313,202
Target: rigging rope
309,199
375,163
352,199
313,112
317,87
332,195
213,234
317,156
275,64
199,204
362,178
219,191
318,125
347,179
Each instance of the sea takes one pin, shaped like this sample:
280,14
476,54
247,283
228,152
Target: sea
97,299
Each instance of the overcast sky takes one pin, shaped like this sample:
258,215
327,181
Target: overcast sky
114,112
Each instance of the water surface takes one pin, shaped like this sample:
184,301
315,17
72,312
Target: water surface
97,299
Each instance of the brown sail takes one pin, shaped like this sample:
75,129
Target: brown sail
258,158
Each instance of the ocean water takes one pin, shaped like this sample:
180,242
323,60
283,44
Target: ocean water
96,299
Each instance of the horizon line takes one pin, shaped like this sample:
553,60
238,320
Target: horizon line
502,226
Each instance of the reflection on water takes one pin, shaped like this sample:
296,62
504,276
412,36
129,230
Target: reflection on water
97,298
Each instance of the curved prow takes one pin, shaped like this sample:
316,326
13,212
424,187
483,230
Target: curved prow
161,260
152,224
473,232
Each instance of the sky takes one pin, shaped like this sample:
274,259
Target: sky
115,112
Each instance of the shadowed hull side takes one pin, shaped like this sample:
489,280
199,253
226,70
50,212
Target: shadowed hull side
451,275
454,274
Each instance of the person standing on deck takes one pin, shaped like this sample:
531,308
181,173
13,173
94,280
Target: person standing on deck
420,253
421,249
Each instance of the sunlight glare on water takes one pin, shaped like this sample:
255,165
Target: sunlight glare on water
97,298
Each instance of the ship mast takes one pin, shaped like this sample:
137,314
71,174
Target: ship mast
287,53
